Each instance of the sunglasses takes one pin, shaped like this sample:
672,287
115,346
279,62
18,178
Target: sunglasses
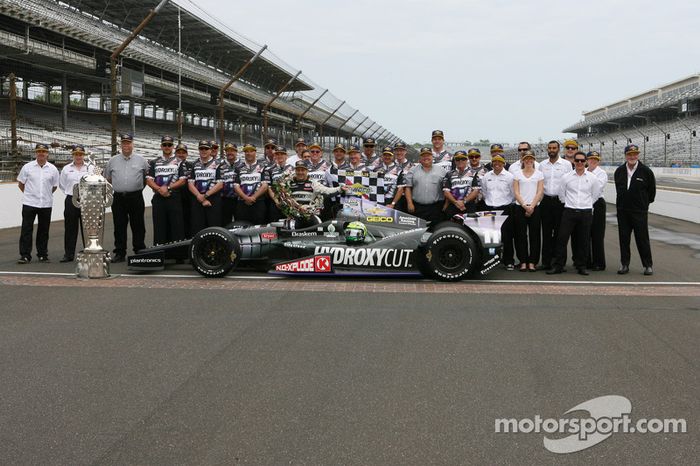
570,148
523,150
315,151
580,160
473,157
167,144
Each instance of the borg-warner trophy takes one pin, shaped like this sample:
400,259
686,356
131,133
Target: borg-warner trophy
92,195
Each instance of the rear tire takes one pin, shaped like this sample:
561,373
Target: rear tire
215,251
451,254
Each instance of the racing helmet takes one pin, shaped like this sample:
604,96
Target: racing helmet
355,232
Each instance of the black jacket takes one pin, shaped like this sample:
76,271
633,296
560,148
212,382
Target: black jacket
641,192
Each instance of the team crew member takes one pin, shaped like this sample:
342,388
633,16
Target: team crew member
166,176
424,197
579,190
551,207
271,175
596,258
369,157
496,149
305,191
340,158
227,171
319,170
215,151
299,147
70,176
528,188
636,189
570,148
251,187
340,162
441,157
497,188
205,185
127,173
305,156
523,147
185,194
477,171
37,180
268,158
355,159
391,173
458,187
405,165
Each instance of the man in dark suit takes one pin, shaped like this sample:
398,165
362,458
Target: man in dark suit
636,188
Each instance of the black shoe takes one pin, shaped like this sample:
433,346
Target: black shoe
583,272
510,267
117,258
546,267
44,259
24,260
648,271
624,269
555,270
66,259
597,268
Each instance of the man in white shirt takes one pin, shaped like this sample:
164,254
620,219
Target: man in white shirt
551,207
37,180
579,190
497,189
596,258
70,176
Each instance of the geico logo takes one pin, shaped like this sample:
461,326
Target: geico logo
368,257
380,219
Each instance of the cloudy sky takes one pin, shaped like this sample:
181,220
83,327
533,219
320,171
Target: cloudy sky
502,70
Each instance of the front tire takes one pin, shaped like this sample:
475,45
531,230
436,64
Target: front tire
215,251
451,254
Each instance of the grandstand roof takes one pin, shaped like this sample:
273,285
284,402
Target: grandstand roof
200,39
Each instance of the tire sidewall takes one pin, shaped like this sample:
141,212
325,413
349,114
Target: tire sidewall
449,237
227,239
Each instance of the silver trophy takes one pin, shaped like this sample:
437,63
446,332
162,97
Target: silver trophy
92,195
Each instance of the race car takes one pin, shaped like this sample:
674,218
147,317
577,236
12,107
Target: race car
396,244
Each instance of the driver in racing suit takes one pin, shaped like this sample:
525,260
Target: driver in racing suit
307,192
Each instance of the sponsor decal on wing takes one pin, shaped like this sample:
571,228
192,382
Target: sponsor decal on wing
316,264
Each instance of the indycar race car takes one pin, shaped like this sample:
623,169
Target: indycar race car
396,244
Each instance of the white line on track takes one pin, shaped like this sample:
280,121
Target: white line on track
267,277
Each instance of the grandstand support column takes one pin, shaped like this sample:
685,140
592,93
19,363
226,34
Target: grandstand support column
690,140
337,131
352,133
65,95
329,117
113,67
275,97
132,114
306,110
665,139
644,143
13,117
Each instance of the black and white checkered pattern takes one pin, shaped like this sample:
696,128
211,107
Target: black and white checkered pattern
372,184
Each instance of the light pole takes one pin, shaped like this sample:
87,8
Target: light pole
645,138
666,137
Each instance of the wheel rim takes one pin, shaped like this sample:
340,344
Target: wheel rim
214,253
451,258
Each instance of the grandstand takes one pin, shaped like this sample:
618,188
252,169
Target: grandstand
664,122
59,54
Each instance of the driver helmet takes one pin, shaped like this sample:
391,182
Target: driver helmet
355,232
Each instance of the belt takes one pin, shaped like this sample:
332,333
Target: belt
127,193
551,197
579,211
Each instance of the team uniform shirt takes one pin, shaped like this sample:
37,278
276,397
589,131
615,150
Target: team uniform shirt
528,186
304,192
392,174
205,175
250,177
292,159
38,184
443,159
265,162
405,165
553,174
227,174
371,160
320,172
602,176
275,172
498,189
580,191
516,167
165,171
71,175
460,184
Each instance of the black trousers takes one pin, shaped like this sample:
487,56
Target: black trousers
255,214
628,223
71,221
273,212
576,222
452,210
527,233
506,232
228,210
597,256
168,224
429,212
186,200
550,212
203,217
42,232
128,208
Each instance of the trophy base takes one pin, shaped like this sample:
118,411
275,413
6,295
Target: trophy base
91,264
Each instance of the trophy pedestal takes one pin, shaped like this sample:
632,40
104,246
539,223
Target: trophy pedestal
92,264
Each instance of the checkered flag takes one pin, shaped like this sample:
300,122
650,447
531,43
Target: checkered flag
365,184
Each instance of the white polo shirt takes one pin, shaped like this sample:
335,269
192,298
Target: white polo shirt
70,176
580,191
38,184
553,173
498,189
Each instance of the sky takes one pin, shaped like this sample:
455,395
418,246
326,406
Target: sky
499,70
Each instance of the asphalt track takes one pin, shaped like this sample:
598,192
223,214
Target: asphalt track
178,369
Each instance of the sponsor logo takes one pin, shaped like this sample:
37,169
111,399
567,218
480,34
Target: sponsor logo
368,257
377,219
145,260
410,221
304,233
270,235
317,264
295,245
490,264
